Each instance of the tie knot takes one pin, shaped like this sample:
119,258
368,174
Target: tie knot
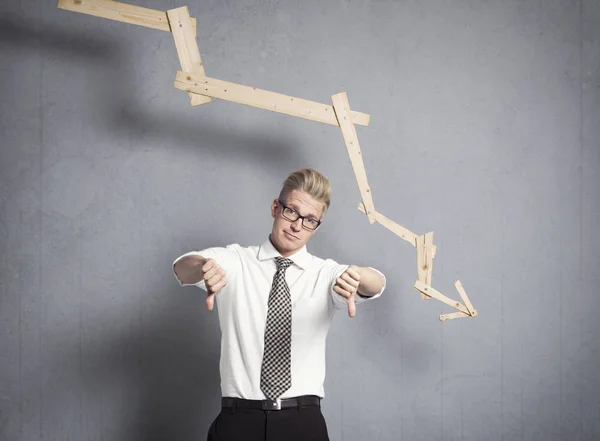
283,263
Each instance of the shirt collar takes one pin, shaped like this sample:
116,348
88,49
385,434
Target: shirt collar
267,251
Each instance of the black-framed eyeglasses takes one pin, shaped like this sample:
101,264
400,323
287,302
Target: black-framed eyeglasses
292,215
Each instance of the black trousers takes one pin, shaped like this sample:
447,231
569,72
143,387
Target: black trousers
305,423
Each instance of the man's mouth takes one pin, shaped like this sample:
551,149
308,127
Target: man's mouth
290,235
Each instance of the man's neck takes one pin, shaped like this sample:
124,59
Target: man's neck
283,254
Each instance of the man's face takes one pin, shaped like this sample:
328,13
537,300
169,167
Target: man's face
287,236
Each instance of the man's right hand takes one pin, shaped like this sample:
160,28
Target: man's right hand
214,279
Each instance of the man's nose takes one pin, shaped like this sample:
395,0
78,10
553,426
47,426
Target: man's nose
297,224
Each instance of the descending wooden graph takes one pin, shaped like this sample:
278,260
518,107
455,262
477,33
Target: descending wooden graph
202,89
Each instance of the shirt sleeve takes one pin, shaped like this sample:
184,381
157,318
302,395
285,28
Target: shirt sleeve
335,270
226,257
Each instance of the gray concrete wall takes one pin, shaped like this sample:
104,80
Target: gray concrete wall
485,129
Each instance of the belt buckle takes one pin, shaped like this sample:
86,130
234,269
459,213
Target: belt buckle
272,404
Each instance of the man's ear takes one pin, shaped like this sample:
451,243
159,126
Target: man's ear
274,207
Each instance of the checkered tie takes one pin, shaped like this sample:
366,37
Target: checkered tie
276,370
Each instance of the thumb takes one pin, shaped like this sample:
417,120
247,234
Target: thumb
351,306
210,301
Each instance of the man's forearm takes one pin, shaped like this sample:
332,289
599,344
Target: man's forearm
189,269
371,282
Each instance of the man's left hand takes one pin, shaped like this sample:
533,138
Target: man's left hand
347,286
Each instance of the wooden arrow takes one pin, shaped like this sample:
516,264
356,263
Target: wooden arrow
201,88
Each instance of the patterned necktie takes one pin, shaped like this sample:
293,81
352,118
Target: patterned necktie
276,369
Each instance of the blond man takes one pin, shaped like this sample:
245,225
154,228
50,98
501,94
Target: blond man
275,304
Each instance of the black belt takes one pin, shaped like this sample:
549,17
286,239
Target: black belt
283,403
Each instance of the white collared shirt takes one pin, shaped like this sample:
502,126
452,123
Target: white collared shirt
242,308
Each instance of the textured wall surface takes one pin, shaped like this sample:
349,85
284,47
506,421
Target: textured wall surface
485,129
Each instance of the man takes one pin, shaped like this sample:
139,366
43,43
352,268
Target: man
275,304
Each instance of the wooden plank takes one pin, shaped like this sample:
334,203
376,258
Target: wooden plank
187,48
429,257
122,12
463,295
395,228
421,263
263,99
424,246
453,315
431,292
342,112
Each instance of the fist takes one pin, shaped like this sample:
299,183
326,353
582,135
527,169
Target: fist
214,279
347,285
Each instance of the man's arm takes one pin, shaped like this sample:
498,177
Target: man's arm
371,282
194,268
188,269
364,281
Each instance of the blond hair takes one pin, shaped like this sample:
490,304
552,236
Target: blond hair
311,182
